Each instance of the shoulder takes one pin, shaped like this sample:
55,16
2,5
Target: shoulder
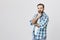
45,15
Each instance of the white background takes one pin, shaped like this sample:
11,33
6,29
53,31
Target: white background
15,16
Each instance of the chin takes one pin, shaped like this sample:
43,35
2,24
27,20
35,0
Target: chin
39,12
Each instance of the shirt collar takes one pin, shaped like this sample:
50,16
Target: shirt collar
42,14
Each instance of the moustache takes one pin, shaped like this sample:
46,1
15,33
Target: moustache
40,11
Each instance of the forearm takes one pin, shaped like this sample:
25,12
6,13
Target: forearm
37,25
34,20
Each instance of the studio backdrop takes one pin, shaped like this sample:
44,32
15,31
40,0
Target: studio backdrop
15,16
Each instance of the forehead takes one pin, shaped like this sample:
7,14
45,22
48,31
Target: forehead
40,6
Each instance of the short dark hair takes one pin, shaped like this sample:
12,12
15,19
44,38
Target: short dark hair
40,4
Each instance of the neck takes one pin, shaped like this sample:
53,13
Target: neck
41,13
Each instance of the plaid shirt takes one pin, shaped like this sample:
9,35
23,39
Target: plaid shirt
41,33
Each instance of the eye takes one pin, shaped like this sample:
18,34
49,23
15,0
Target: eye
38,8
41,7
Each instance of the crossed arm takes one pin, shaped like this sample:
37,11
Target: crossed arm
42,24
37,25
34,22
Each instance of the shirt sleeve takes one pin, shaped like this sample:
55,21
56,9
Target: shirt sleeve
44,22
32,18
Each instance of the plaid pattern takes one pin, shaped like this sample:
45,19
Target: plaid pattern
41,33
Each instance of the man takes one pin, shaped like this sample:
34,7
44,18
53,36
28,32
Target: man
40,21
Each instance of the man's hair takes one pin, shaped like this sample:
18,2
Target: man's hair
40,4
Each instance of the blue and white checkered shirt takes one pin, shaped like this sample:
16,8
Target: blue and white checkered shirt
42,30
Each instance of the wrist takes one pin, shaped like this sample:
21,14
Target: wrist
36,18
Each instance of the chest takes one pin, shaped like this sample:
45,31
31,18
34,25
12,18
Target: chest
41,19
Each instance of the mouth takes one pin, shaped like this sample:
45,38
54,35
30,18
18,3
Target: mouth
40,11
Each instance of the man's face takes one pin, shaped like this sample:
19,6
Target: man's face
40,9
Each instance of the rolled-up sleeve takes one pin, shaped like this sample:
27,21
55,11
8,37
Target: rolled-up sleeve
30,22
32,18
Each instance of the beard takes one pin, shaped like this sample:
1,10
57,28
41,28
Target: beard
40,11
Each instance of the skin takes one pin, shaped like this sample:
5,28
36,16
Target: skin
40,10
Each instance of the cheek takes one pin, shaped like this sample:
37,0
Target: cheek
38,10
41,9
